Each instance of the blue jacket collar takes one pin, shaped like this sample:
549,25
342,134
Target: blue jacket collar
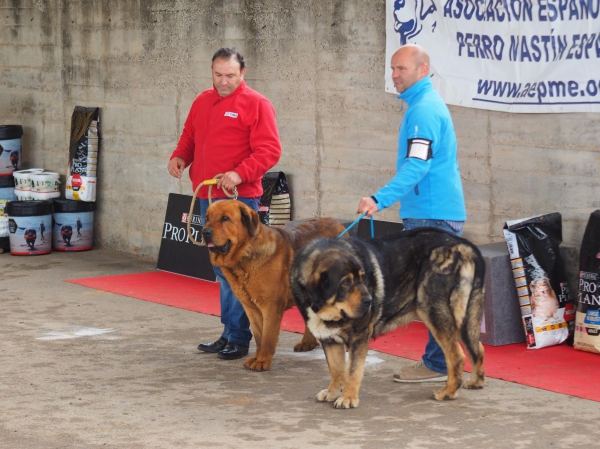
415,91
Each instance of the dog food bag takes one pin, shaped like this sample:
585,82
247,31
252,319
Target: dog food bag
547,309
83,154
275,204
587,317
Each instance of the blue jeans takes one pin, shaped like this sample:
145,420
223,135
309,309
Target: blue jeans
235,322
434,356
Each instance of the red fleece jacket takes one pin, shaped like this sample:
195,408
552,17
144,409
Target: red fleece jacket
237,132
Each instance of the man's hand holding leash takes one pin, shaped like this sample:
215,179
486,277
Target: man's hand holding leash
229,180
367,205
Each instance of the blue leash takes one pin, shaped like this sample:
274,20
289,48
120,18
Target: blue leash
354,223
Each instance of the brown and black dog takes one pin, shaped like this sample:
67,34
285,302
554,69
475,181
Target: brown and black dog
352,290
256,260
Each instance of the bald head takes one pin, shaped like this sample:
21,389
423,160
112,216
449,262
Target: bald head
416,53
409,65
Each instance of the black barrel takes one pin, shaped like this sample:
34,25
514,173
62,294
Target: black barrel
63,205
28,208
7,181
73,228
29,227
11,132
10,148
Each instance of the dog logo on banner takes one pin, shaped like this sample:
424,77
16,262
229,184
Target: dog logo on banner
407,22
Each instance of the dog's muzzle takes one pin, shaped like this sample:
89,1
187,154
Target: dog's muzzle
218,249
207,235
365,305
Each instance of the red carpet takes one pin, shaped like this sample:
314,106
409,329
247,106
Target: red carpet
561,369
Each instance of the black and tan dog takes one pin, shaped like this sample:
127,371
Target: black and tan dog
256,261
352,290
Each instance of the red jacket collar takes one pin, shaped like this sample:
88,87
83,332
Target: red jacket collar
238,89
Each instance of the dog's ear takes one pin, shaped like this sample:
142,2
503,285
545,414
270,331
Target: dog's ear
249,219
312,285
321,289
324,283
546,281
318,288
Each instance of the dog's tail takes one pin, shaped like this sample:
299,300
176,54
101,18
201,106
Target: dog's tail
471,328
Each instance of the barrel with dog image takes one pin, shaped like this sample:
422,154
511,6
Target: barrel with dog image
7,188
29,227
7,193
73,225
10,149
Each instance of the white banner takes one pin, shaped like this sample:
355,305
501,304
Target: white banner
530,56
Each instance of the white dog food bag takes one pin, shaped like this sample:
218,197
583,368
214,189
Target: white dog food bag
587,318
547,309
83,154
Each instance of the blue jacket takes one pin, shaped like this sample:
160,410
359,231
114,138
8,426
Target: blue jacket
427,180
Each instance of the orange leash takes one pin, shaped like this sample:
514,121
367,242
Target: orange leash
210,183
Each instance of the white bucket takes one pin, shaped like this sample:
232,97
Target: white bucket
43,196
22,195
45,182
22,178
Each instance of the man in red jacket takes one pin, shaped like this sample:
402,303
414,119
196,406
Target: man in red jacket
230,129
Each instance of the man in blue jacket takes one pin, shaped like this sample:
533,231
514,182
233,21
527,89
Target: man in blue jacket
427,180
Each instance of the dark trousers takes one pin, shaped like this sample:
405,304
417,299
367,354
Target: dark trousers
236,326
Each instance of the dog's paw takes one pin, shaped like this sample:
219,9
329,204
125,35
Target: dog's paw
444,394
328,396
303,346
346,402
248,363
254,364
474,384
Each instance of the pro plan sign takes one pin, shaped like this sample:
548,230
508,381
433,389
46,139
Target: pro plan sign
177,252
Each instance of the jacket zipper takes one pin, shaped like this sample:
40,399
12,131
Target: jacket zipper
212,116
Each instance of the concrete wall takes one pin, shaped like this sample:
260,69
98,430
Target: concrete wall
321,63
